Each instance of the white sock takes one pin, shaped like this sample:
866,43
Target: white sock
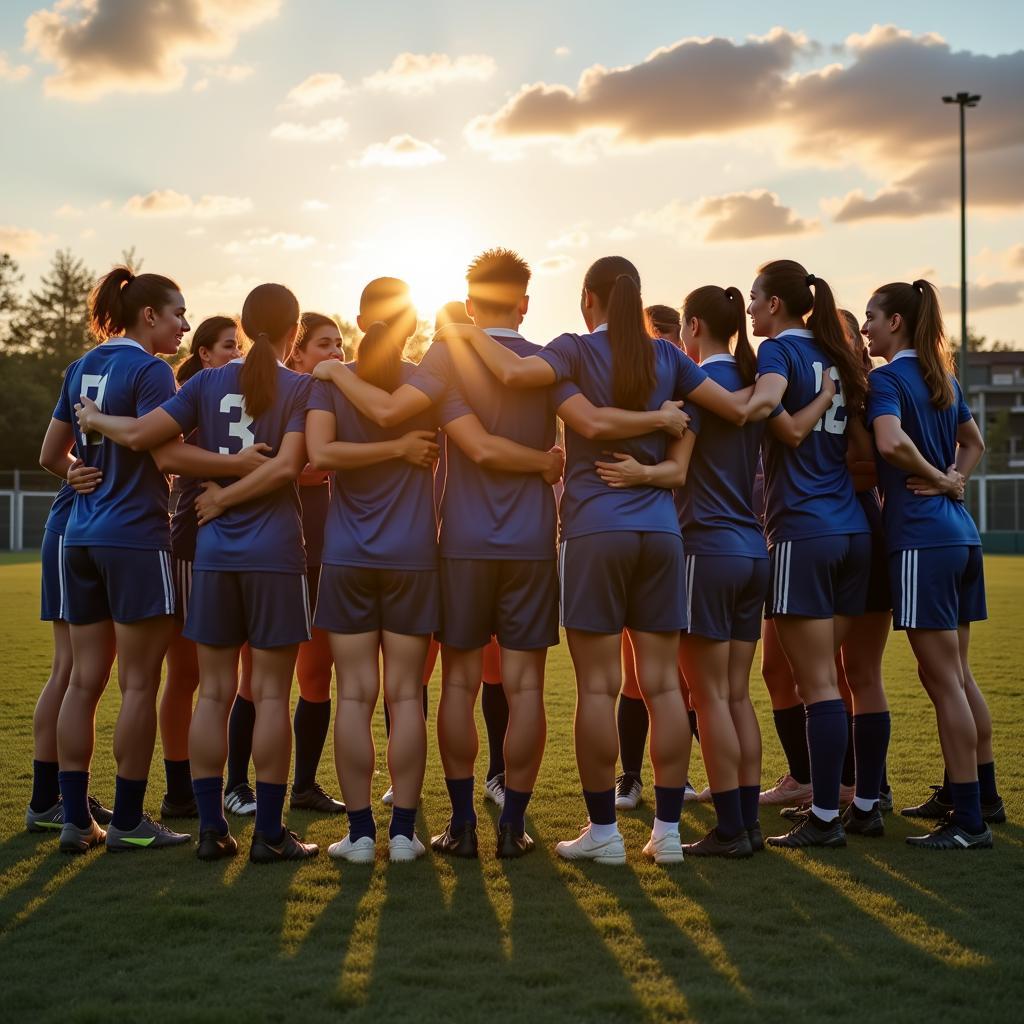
602,833
863,804
825,816
663,828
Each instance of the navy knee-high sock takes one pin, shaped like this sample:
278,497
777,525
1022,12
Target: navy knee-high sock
270,809
460,792
494,704
513,812
944,793
633,723
750,804
311,724
601,805
129,796
967,806
210,801
361,823
871,744
987,782
668,803
74,791
179,780
849,762
403,822
45,785
791,726
241,723
826,742
729,809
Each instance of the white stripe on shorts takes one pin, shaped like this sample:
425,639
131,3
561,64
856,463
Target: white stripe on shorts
561,583
780,593
166,579
691,568
62,613
305,606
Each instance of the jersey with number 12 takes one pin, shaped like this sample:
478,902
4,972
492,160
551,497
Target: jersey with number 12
265,534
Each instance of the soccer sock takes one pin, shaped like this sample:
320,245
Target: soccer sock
749,804
74,791
210,801
944,794
729,809
270,809
870,744
387,720
987,782
45,785
460,792
601,811
129,796
361,823
426,705
826,742
668,804
311,723
403,821
495,709
692,716
514,811
179,780
885,787
967,806
790,724
240,726
633,723
850,761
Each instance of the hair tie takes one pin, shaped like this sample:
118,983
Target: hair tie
619,277
263,334
918,285
809,280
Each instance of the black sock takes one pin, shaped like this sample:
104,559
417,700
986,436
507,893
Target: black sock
45,785
426,705
885,779
240,726
692,715
850,763
987,782
945,794
179,781
495,708
311,723
633,724
791,725
387,720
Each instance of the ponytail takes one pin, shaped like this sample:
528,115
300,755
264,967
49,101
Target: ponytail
918,305
856,339
385,302
722,311
746,360
616,283
791,283
270,311
120,296
205,337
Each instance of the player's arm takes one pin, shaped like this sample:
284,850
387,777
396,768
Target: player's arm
190,460
669,473
493,452
606,423
898,449
970,447
55,452
141,434
386,410
326,453
792,429
511,369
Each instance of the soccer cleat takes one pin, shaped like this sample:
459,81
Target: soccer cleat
241,801
100,814
315,799
797,813
627,792
50,820
585,847
885,801
178,808
786,791
713,845
494,789
147,835
666,849
80,840
689,793
402,849
512,845
994,813
214,845
933,807
756,837
287,847
949,836
704,796
388,798
807,832
870,824
461,842
362,851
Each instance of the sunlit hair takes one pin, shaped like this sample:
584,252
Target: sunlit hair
309,323
205,336
269,312
918,305
856,339
664,319
497,279
386,307
616,284
120,296
452,313
723,313
791,284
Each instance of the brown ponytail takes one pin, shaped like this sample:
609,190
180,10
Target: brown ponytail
918,305
205,337
791,284
119,297
386,303
722,312
270,311
616,283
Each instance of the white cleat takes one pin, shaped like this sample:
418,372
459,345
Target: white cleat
627,793
401,850
689,793
388,798
666,850
611,851
362,851
494,789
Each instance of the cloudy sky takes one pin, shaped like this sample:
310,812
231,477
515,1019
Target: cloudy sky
321,143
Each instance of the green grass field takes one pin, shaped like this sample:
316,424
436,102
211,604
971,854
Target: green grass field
873,932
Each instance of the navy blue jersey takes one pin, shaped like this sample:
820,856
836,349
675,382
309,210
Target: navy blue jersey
588,504
716,507
264,534
184,519
381,516
57,518
899,389
129,507
315,500
808,489
489,513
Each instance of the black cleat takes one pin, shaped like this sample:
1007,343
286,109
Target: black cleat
797,813
868,823
885,801
288,847
214,845
459,842
713,845
756,837
100,814
933,807
317,800
810,831
511,845
178,808
949,836
994,813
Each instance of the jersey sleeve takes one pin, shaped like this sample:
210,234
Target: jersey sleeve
562,392
563,356
963,411
296,423
321,397
693,411
883,396
153,386
435,374
64,409
773,358
183,407
689,376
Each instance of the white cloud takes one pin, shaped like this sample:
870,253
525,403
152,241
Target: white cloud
19,241
321,87
167,202
562,51
287,241
231,72
315,205
555,264
399,151
12,72
67,210
980,297
757,214
330,129
574,238
412,73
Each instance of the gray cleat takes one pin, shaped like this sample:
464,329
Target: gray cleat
80,840
147,835
50,820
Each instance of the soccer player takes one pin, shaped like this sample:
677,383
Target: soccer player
921,424
249,580
665,323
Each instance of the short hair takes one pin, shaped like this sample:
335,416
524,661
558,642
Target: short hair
498,279
664,318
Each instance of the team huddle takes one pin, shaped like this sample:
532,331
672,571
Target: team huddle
357,518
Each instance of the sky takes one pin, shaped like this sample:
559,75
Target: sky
322,143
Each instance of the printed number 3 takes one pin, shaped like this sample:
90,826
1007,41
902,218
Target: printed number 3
833,425
240,428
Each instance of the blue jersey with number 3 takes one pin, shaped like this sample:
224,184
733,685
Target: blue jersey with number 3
264,534
808,489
